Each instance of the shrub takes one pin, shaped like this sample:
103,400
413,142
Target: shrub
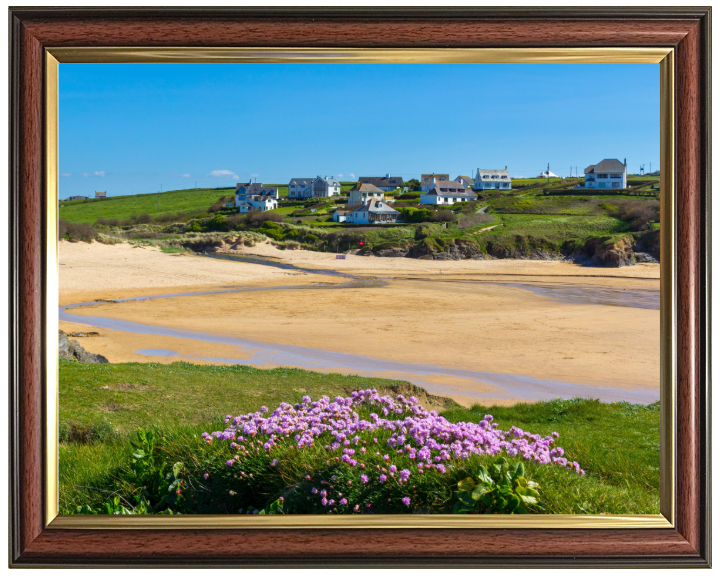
310,238
194,227
217,223
444,216
637,212
76,232
257,218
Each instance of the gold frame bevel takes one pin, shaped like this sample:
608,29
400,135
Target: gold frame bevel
616,55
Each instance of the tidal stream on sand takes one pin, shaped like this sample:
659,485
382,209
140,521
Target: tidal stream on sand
270,355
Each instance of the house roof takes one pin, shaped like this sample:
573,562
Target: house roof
328,180
488,172
302,181
465,180
376,207
366,187
452,188
386,181
255,188
607,165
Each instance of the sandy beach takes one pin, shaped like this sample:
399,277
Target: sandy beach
462,315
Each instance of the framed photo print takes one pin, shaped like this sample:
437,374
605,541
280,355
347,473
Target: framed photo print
472,332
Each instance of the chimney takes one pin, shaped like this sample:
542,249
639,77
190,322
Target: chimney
387,175
625,163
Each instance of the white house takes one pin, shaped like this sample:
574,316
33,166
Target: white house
260,203
610,173
465,181
427,181
492,179
325,187
243,190
300,188
339,215
373,212
448,193
363,192
386,183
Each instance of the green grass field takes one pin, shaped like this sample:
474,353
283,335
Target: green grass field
123,207
616,444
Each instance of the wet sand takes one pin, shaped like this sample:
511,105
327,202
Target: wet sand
446,313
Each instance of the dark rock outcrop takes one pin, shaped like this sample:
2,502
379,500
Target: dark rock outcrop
72,350
608,252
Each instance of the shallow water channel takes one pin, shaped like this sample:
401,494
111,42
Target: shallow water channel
268,355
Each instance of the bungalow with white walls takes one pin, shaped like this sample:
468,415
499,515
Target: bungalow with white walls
607,174
427,181
260,203
363,192
243,190
448,193
386,183
492,179
340,215
373,212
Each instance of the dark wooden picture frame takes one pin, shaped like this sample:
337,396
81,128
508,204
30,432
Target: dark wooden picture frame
686,30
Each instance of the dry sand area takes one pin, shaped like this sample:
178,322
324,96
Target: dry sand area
430,312
92,271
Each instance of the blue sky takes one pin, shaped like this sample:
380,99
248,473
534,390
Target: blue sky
132,128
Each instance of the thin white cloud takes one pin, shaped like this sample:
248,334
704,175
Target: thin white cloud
86,174
184,175
224,174
340,175
351,175
66,174
100,173
254,175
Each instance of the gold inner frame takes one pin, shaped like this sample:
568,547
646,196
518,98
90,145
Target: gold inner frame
662,56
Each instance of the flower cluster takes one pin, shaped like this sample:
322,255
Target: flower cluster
423,436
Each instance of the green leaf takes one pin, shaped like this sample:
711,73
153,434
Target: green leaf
177,468
483,476
467,484
480,491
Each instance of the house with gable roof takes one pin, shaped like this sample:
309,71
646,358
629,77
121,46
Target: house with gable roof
610,173
450,192
373,212
325,187
486,179
427,181
465,181
300,188
386,183
363,192
244,190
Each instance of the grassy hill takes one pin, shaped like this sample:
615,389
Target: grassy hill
173,201
122,207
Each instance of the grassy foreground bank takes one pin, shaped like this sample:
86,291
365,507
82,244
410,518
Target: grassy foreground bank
104,461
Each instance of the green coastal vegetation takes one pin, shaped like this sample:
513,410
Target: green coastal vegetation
131,442
536,219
